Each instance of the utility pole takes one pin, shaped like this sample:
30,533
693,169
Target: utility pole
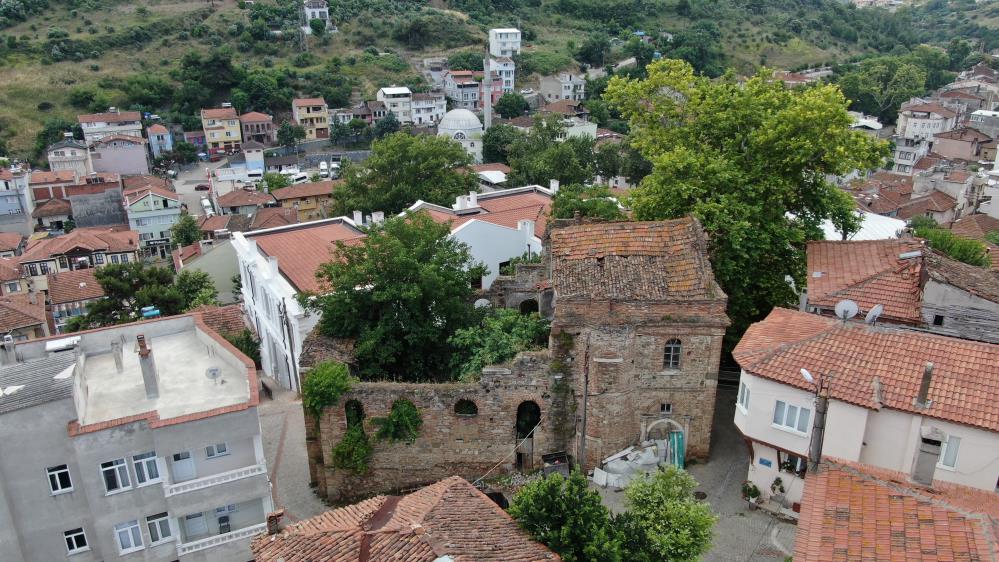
586,395
819,425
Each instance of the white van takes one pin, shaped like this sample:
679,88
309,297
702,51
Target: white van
324,169
206,204
301,177
335,170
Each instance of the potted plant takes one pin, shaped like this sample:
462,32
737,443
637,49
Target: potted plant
751,493
777,487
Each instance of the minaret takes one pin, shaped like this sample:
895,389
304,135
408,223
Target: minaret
487,107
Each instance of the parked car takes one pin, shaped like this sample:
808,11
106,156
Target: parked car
202,187
324,169
300,177
526,91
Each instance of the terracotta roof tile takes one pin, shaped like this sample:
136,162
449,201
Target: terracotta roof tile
219,113
852,512
118,117
17,311
133,195
89,239
245,198
449,518
930,108
73,286
493,167
504,208
131,183
158,129
222,319
254,117
53,208
936,201
311,189
273,217
624,260
869,272
301,249
10,270
968,134
59,176
303,102
125,138
213,223
10,241
964,388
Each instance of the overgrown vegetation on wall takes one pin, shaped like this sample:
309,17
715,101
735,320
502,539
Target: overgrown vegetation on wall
246,342
353,451
402,424
324,385
947,243
502,334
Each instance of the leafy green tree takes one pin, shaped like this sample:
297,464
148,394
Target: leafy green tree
323,386
128,288
318,28
642,51
339,132
184,152
567,517
52,132
957,51
502,334
197,288
466,60
185,231
511,105
497,142
964,250
750,161
400,293
699,45
594,49
879,86
402,169
675,525
593,201
246,342
544,155
289,134
274,180
387,125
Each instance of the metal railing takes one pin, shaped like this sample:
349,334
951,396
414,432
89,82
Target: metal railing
213,480
216,540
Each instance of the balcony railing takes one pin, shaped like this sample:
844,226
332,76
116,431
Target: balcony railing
213,480
216,540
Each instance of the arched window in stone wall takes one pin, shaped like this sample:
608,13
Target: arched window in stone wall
528,417
354,412
466,408
671,354
528,306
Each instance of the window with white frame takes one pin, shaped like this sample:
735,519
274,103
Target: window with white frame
115,475
225,509
216,450
76,541
146,469
949,450
743,400
671,354
789,416
59,480
129,536
159,528
13,287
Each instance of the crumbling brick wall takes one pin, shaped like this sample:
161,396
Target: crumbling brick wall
448,443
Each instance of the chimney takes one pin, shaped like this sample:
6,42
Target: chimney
148,365
473,199
527,227
8,350
274,522
378,217
358,218
460,203
922,399
803,300
553,186
116,350
927,455
818,427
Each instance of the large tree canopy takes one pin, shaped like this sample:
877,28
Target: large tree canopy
400,294
402,169
541,155
750,161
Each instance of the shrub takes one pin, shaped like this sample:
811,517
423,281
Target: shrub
324,385
353,451
402,424
246,342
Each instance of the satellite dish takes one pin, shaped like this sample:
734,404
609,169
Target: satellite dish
807,376
213,373
846,310
872,316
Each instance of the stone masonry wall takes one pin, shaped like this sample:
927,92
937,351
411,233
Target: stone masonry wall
448,444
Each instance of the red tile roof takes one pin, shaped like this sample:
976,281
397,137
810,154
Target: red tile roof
158,129
494,167
88,239
213,223
219,113
118,117
976,227
53,208
853,512
449,518
129,183
926,162
10,241
311,189
930,108
303,102
74,286
254,117
133,195
868,272
59,176
184,253
301,249
245,198
223,319
936,201
504,208
964,387
273,217
10,270
663,261
961,95
17,311
564,107
967,134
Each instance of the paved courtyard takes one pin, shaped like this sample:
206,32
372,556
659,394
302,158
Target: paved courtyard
741,534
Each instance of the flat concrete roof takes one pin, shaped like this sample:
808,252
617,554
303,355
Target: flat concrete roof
182,360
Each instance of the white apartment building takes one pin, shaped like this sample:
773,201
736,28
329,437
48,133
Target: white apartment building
275,265
114,122
894,394
137,442
317,10
564,86
69,154
505,70
151,212
428,109
398,100
504,42
918,121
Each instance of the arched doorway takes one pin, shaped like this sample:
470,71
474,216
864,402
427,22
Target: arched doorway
354,412
668,430
528,418
528,306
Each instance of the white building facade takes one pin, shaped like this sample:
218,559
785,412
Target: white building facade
504,42
398,100
463,127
